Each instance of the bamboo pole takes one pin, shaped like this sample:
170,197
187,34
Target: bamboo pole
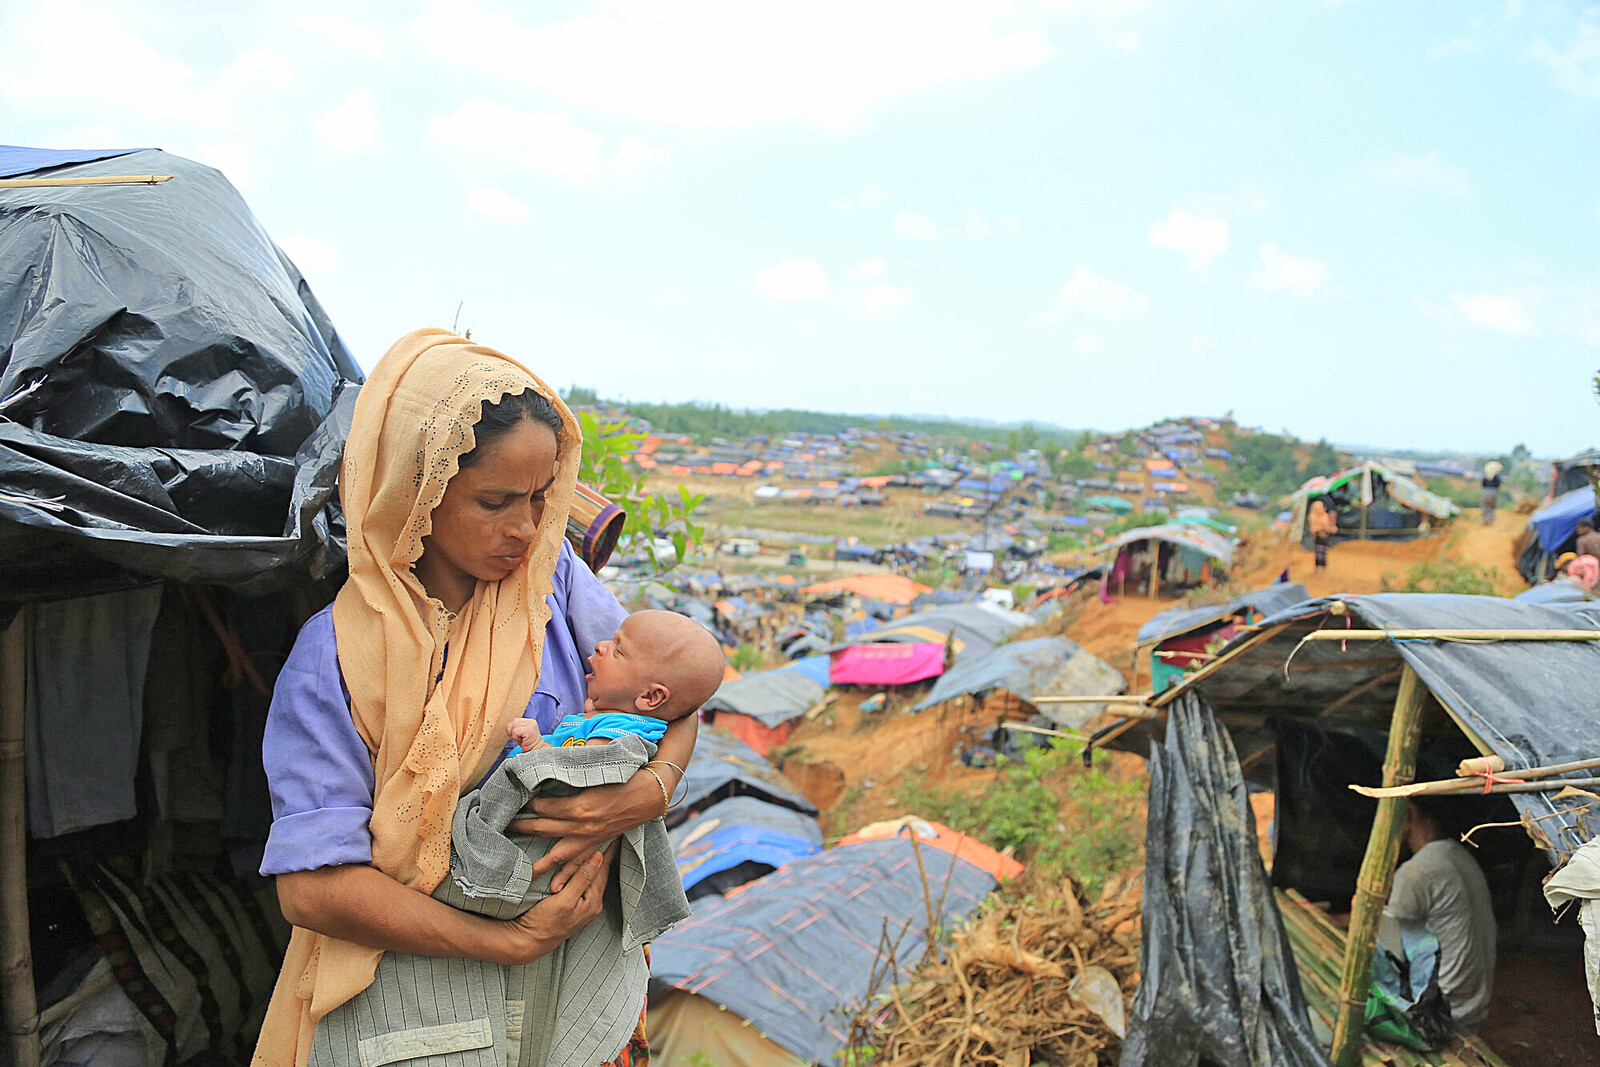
1128,698
1377,871
109,179
16,951
1453,635
1465,787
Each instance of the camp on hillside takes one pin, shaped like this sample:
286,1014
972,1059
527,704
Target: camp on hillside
889,588
1011,679
1552,530
759,709
739,840
1181,639
724,767
967,629
1171,557
1368,500
1376,691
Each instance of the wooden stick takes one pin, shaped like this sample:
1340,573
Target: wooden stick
1453,635
1361,690
109,179
1127,698
1070,735
1473,781
1377,871
16,950
1464,787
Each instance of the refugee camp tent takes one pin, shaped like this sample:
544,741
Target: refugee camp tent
1331,692
969,629
886,663
760,708
938,835
791,952
1179,637
1368,500
1178,555
1552,530
890,588
175,403
1044,666
739,840
723,767
1575,472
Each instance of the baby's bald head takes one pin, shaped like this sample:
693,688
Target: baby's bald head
681,655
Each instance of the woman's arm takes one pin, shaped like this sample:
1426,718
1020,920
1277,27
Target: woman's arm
589,819
359,903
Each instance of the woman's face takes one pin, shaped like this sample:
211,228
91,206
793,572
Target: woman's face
490,514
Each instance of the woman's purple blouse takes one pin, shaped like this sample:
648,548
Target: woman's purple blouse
319,769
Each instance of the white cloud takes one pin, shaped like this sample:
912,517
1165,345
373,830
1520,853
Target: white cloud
1091,292
1086,342
795,279
311,253
504,137
365,40
1302,276
1199,239
351,127
1428,171
1486,311
871,195
495,203
867,270
916,227
980,225
736,63
880,300
1575,68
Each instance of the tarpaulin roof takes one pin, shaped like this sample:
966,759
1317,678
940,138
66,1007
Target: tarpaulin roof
16,160
813,667
1044,666
1531,702
1400,488
976,627
725,766
185,397
742,830
770,697
886,664
797,949
893,588
1109,503
1184,535
1559,591
1177,621
1556,521
940,836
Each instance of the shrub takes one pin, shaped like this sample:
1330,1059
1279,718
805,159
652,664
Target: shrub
1445,576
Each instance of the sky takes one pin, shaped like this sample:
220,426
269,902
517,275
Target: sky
1365,221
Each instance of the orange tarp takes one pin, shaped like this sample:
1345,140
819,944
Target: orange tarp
890,588
877,481
679,469
761,738
940,836
1158,464
729,674
650,445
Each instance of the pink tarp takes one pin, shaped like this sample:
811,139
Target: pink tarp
886,664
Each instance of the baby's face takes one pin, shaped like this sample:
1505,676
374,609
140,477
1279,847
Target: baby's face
621,669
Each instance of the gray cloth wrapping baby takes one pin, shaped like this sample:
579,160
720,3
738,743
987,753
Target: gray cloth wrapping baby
577,1005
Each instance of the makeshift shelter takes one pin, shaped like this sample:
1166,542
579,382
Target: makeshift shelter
175,405
938,835
794,951
1181,639
1368,500
723,767
887,663
1114,504
1575,472
1031,672
1378,691
760,709
1552,530
739,840
1175,555
890,588
968,629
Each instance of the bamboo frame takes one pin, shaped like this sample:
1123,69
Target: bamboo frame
16,950
108,179
1453,635
1377,871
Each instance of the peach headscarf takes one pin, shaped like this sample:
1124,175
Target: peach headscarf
430,740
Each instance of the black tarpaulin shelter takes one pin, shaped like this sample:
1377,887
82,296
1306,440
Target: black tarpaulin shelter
175,398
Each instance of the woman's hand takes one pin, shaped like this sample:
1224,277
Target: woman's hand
587,821
557,917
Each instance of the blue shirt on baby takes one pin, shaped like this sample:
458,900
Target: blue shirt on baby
576,729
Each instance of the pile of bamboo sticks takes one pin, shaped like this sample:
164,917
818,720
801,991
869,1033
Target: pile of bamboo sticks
1319,949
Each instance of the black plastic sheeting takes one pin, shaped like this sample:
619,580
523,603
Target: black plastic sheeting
1219,984
185,398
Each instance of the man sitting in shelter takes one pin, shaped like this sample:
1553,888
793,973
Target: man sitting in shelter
1442,886
1588,541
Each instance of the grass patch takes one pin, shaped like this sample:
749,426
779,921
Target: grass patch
1055,815
1445,576
873,525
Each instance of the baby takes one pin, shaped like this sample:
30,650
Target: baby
659,666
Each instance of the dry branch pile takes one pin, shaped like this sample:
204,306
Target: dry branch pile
1020,985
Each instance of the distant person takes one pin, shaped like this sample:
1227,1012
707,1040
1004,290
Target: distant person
1588,541
1491,490
1442,886
1323,527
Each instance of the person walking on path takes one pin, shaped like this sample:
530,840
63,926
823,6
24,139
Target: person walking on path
1323,527
1491,490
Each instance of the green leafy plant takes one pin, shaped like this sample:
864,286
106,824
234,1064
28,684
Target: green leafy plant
1445,575
607,444
747,658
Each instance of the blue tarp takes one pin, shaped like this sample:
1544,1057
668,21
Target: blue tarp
1556,521
724,766
15,159
813,667
861,626
742,830
1555,594
795,951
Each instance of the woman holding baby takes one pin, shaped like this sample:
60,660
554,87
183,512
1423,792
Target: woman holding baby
464,610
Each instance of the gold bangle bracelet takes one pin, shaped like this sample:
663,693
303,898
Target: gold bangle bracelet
666,797
683,780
